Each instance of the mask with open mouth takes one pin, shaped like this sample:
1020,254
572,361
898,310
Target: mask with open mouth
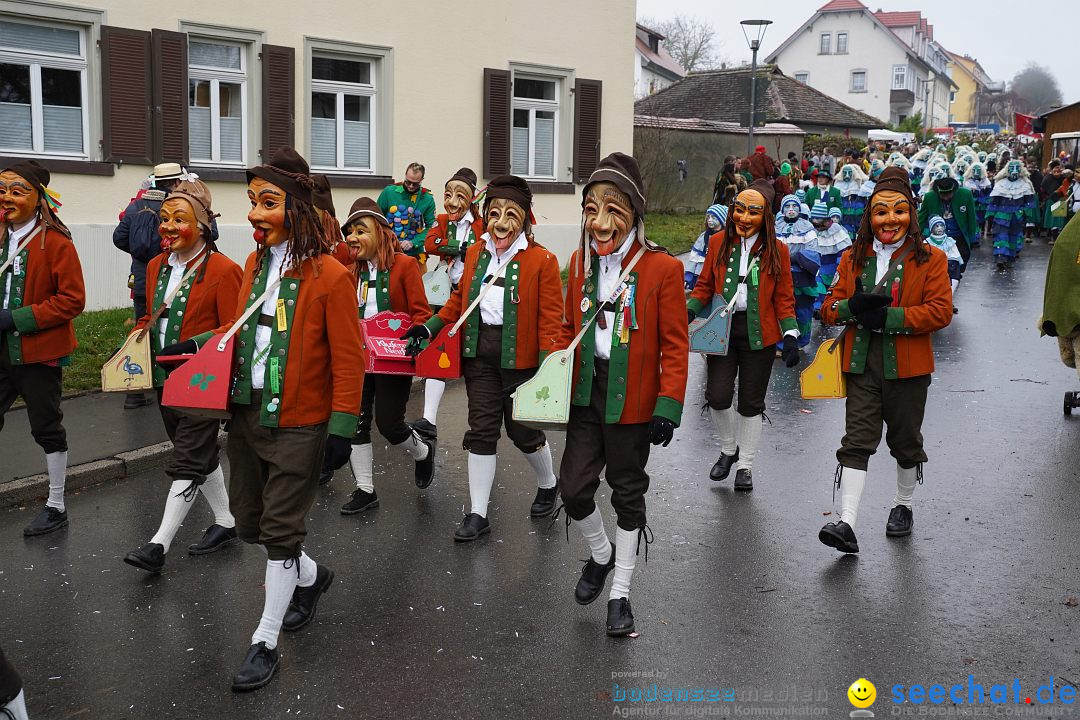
178,228
609,216
890,216
267,215
457,199
504,221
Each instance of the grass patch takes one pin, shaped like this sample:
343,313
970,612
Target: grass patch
675,232
99,333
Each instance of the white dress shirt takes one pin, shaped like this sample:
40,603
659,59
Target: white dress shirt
491,307
884,257
176,274
269,307
372,300
16,236
744,266
606,286
457,265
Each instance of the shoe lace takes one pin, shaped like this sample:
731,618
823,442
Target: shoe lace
836,481
190,491
293,562
555,517
767,418
644,533
918,474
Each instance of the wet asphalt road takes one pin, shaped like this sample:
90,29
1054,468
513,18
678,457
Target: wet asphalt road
737,592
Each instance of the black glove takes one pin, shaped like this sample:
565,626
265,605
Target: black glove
417,332
6,320
690,316
461,253
861,302
1048,327
337,453
661,430
184,347
791,353
872,319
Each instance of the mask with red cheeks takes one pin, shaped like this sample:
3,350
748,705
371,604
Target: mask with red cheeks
457,198
504,220
747,213
267,214
178,229
609,216
890,216
18,198
363,238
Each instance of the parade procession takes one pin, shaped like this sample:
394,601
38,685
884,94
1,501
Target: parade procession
368,401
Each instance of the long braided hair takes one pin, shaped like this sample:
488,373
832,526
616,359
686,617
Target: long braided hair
384,253
307,235
769,255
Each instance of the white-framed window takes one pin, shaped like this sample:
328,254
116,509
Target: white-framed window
858,81
534,139
825,44
217,102
43,89
803,77
900,77
841,43
344,94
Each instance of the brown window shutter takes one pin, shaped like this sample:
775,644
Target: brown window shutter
169,51
278,99
587,102
126,89
496,122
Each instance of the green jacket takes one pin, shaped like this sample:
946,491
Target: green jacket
963,210
411,215
832,198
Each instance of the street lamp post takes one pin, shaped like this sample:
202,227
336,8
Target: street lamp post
757,29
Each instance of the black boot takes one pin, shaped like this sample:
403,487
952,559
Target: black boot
472,527
258,668
620,621
305,600
325,476
839,535
360,501
544,502
215,538
424,429
136,400
900,522
48,520
744,479
592,580
425,469
722,467
150,557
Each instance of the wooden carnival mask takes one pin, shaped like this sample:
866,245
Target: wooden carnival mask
178,229
457,199
890,216
267,214
363,238
504,220
18,198
748,212
609,216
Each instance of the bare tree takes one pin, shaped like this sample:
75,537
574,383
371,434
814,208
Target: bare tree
1035,89
690,40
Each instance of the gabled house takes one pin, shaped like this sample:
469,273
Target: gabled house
654,68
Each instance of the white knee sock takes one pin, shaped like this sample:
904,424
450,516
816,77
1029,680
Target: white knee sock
414,446
592,529
724,423
176,509
433,392
280,583
56,463
215,493
308,569
955,284
851,486
360,463
906,478
17,707
625,560
747,435
542,466
481,478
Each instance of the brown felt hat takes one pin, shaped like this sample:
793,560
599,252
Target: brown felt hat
465,175
510,187
762,186
30,171
361,207
198,194
321,196
622,171
289,171
894,178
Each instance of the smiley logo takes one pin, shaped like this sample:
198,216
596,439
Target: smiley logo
862,693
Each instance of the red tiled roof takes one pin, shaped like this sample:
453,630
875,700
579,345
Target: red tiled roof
899,19
842,5
930,31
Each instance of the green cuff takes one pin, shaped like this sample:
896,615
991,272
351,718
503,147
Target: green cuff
696,305
543,355
202,338
435,325
668,408
843,312
788,324
343,424
24,320
894,319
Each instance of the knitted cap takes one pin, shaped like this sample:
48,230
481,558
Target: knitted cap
198,194
820,211
622,171
289,171
719,212
935,220
364,206
801,194
788,200
836,213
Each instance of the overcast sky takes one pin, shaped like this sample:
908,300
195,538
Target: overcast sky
981,30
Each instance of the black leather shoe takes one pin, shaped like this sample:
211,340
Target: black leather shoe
593,577
900,522
325,476
839,535
424,429
722,467
215,538
136,400
48,520
744,479
150,557
544,502
360,501
472,527
620,621
425,469
305,600
258,668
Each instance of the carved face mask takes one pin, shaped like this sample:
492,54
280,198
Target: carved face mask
18,198
608,217
267,214
363,238
1014,170
179,230
890,216
747,213
457,197
977,172
847,173
504,221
